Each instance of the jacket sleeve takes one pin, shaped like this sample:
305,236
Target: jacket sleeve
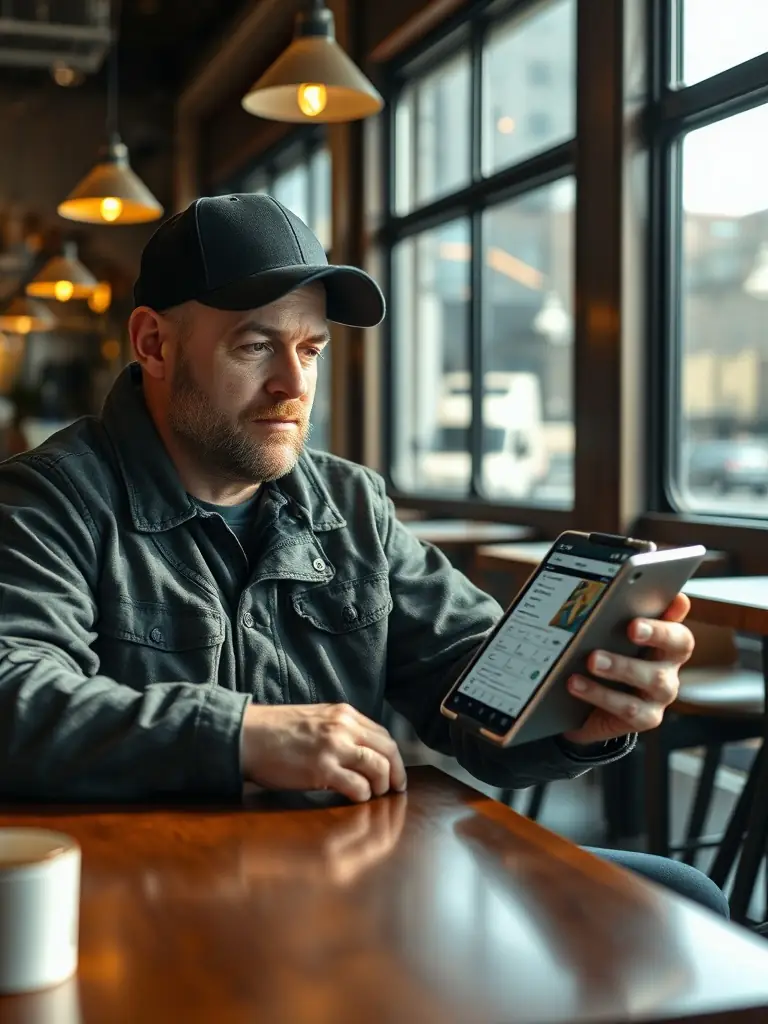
438,620
67,732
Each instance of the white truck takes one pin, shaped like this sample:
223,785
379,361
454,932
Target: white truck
515,457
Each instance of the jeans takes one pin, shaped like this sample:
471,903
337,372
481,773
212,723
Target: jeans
680,878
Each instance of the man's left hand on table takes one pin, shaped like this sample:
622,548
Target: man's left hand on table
655,682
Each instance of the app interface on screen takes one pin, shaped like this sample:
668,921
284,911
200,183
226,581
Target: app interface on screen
550,613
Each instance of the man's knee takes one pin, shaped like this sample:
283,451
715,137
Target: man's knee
680,878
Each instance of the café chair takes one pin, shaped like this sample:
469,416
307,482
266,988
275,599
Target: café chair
720,702
716,706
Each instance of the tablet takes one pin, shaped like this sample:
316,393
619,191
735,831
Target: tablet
582,597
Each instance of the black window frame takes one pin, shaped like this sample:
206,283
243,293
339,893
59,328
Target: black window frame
468,28
299,146
673,112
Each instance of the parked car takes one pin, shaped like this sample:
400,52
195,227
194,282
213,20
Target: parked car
726,466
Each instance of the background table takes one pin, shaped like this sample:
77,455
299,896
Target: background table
519,560
459,539
455,533
441,906
738,602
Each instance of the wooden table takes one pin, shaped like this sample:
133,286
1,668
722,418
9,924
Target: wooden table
439,907
737,602
521,559
461,533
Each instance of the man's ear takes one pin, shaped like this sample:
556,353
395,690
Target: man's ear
150,348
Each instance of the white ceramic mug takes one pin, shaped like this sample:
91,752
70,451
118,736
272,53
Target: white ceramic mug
39,908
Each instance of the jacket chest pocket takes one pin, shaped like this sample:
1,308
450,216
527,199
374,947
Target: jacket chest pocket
343,644
141,642
345,607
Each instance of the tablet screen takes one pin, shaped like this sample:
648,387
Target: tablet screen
568,584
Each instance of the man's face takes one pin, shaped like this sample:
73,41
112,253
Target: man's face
242,383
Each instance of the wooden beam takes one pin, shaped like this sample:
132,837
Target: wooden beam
252,43
348,247
396,26
608,382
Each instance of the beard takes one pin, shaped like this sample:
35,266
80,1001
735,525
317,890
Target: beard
224,445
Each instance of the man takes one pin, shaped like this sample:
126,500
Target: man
190,600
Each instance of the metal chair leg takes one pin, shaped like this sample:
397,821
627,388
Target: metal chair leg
734,833
657,792
753,848
537,799
701,802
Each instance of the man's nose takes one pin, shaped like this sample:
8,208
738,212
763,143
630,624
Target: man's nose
288,379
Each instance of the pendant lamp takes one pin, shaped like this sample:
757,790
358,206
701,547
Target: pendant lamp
25,316
112,193
553,320
314,79
63,278
101,298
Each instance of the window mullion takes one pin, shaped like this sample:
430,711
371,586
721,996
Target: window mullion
475,305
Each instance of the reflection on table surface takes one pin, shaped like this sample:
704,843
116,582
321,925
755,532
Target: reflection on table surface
436,906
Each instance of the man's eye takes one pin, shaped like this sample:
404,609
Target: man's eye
255,347
314,353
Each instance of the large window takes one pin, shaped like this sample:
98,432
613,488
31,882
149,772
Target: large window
712,249
299,176
480,237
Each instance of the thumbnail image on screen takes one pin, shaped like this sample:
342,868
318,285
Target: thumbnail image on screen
573,612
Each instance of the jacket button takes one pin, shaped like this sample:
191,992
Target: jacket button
156,636
318,565
349,614
248,620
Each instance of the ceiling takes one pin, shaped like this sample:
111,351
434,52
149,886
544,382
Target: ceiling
164,40
160,41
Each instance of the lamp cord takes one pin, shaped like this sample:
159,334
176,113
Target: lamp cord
113,78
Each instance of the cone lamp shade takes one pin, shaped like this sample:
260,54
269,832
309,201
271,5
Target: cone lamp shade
112,193
63,278
314,79
25,316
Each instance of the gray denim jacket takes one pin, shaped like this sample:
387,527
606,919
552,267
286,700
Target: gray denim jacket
128,658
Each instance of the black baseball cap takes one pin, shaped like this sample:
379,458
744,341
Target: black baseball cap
244,251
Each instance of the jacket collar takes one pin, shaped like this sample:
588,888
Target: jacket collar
156,496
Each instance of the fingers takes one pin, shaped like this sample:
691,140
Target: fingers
671,639
388,749
368,734
678,610
358,773
656,680
638,714
351,784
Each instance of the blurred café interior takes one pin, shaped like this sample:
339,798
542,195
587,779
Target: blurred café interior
566,205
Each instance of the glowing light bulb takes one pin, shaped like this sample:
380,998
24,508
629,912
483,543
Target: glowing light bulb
313,99
63,290
23,324
111,208
101,299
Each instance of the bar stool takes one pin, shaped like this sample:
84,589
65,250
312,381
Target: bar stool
717,705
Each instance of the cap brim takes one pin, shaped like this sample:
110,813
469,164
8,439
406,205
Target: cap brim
353,298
